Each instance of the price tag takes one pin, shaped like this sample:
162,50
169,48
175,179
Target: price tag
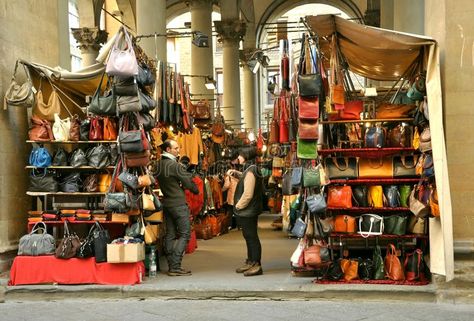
345,253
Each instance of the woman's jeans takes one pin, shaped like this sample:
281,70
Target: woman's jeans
249,231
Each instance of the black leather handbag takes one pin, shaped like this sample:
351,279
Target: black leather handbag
146,120
130,141
43,182
78,158
404,166
72,183
125,86
101,239
310,85
60,157
366,269
341,167
113,154
286,186
84,129
395,224
359,195
147,102
87,245
129,179
98,156
103,105
145,76
392,195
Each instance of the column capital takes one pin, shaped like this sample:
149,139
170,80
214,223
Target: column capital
233,30
190,3
89,38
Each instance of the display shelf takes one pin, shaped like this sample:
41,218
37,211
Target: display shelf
370,209
70,167
72,142
375,181
383,236
367,152
389,282
77,222
388,120
65,194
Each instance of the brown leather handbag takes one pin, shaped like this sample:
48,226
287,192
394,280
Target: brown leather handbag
308,129
376,168
394,111
400,136
91,183
200,110
344,224
104,182
340,196
393,266
350,269
140,159
47,110
40,130
75,129
96,131
110,129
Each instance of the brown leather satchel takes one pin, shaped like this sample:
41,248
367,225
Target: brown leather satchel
40,130
400,136
137,159
391,111
376,168
308,129
75,129
350,269
110,129
344,224
393,266
91,183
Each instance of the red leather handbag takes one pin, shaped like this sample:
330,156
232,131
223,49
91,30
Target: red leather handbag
283,126
308,129
96,131
340,196
308,107
352,110
274,126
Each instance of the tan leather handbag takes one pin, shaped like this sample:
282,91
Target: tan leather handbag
47,110
376,168
393,266
104,182
350,269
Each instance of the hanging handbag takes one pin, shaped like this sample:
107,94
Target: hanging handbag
75,129
316,203
129,179
101,239
307,149
404,166
84,130
375,197
78,158
404,194
283,135
110,129
122,60
145,180
286,187
146,120
415,266
40,157
370,224
19,95
394,111
392,195
137,159
309,84
274,126
125,86
60,157
41,130
68,246
299,228
126,104
416,206
395,225
147,202
106,104
366,269
96,131
132,141
308,108
44,182
374,137
91,183
71,183
393,267
376,168
350,269
341,167
34,244
379,267
296,175
308,129
98,156
340,196
360,195
46,111
146,76
147,103
425,140
311,177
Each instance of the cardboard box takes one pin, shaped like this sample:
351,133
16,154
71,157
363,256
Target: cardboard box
125,253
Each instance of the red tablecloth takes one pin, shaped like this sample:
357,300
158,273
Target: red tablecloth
48,269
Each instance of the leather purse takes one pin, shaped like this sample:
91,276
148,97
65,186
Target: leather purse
415,266
47,110
96,131
78,158
146,76
44,182
404,166
34,244
75,129
310,85
86,249
84,130
126,104
145,180
352,110
340,196
129,179
393,267
311,177
400,136
395,224
374,137
61,128
147,103
376,168
40,130
365,269
370,224
110,129
308,129
316,203
19,95
427,165
375,196
394,111
350,269
417,207
201,110
91,183
122,62
125,86
131,141
379,267
40,157
137,159
404,194
296,175
299,228
341,167
72,183
104,182
148,202
434,205
146,120
68,246
307,149
101,239
416,225
60,157
391,195
425,140
286,187
106,104
334,271
98,156
360,195
308,108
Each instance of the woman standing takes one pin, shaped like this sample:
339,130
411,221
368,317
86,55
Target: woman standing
247,208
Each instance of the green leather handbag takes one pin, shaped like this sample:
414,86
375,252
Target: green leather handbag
404,194
307,149
379,269
395,225
311,177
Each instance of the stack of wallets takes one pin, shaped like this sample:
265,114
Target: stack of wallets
83,215
51,215
35,216
99,215
68,215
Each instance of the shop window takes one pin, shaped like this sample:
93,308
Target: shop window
271,84
76,59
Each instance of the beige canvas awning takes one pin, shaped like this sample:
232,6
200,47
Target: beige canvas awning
385,55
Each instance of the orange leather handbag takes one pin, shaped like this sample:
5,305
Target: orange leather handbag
344,224
393,266
308,108
110,129
391,111
350,269
376,168
340,196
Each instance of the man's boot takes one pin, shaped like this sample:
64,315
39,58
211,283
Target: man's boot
244,267
256,269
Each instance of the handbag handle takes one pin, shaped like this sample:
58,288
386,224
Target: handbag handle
66,229
379,165
415,160
336,163
36,228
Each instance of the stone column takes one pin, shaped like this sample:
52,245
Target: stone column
90,40
250,106
231,30
202,62
151,19
408,16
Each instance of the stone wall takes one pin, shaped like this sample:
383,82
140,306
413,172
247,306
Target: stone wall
30,32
